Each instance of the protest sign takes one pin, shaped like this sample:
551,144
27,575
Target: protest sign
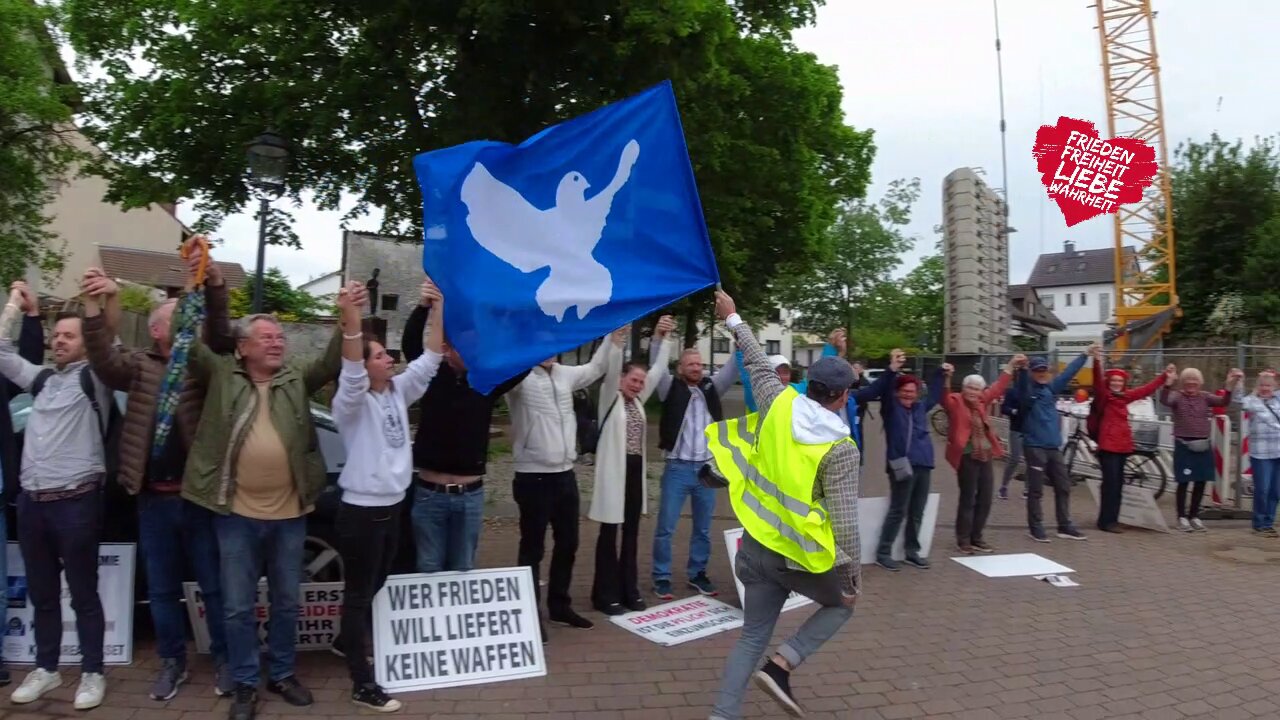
733,541
681,621
1138,506
319,615
115,588
456,628
1087,176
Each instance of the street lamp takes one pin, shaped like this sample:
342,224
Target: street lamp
268,157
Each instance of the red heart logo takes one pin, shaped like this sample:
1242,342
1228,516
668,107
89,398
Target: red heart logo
1088,176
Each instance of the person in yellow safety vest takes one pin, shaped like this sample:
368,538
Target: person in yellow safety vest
792,475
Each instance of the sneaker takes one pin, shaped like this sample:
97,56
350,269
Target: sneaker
1113,529
702,584
38,682
635,605
93,686
292,691
981,546
1184,524
662,589
244,703
374,698
337,651
1071,534
223,684
1039,535
1004,493
570,618
1198,526
777,683
965,548
917,562
888,564
4,676
173,672
612,609
1270,533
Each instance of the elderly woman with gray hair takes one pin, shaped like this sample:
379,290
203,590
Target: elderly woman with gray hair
972,446
1263,408
1192,453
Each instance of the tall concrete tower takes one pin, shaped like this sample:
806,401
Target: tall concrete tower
976,249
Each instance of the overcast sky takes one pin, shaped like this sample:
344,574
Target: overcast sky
923,76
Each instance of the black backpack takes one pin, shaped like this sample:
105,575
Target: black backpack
109,426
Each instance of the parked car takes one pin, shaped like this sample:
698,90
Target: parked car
321,560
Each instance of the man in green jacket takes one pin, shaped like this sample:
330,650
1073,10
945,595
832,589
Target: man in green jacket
256,462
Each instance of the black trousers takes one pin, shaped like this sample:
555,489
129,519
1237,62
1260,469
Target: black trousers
976,480
58,536
550,499
367,540
1112,491
617,572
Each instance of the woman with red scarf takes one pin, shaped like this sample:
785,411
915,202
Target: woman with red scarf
1115,436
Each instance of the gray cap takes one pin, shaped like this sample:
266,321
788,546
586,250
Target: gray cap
834,373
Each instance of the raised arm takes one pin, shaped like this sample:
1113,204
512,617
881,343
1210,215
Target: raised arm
612,382
747,396
414,326
1064,378
936,388
883,386
353,381
725,377
218,334
661,358
660,371
13,366
1150,389
415,379
347,337
114,366
1100,385
582,376
996,391
765,384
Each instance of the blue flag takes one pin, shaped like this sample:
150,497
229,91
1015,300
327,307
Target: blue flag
544,246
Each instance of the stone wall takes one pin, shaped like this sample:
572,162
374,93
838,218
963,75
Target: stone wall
400,262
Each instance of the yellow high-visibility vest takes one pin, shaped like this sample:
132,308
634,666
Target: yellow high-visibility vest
771,480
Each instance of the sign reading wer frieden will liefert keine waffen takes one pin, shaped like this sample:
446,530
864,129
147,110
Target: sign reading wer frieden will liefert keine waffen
456,628
115,587
319,615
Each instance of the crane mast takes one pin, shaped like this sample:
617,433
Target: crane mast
1146,297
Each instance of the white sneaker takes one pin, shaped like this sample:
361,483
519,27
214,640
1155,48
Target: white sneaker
1184,525
93,686
38,682
1198,526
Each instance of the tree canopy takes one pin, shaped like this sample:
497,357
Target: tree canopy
278,298
360,88
36,151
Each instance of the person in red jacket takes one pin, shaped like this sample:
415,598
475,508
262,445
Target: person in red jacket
1115,436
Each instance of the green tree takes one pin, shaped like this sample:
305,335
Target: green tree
136,299
278,298
36,151
865,245
360,88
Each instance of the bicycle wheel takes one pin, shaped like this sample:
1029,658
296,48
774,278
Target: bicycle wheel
939,422
1145,471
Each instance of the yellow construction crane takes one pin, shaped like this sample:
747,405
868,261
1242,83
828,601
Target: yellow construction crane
1146,296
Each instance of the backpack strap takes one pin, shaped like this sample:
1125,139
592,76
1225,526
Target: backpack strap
90,391
37,385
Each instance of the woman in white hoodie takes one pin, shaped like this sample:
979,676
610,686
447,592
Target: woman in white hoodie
371,409
621,483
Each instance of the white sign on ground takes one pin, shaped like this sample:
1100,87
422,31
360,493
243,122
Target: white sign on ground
456,628
319,615
733,541
871,515
115,588
1017,565
1138,506
681,621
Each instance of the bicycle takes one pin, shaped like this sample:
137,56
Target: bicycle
1142,468
939,420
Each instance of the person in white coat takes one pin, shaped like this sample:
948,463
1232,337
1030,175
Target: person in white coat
621,482
545,435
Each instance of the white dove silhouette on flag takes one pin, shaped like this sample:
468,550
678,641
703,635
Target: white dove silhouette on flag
563,237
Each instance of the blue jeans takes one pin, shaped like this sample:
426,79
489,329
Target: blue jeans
680,480
246,545
4,575
1266,492
446,528
172,532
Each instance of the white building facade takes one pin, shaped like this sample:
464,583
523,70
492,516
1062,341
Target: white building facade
775,337
1078,286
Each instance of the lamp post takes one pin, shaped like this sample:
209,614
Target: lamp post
268,157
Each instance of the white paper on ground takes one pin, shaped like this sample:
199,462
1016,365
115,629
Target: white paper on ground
1058,580
1017,565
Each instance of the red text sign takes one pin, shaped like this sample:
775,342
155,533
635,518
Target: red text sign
1088,176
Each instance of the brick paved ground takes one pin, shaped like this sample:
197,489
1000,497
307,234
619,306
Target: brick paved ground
1162,627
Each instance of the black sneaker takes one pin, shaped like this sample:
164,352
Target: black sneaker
662,589
777,683
1071,533
244,703
636,604
612,609
374,698
888,564
570,618
1039,535
702,584
917,562
292,691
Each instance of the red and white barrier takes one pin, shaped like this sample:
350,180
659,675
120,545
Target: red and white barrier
1221,441
1246,472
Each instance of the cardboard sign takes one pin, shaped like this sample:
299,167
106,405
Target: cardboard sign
1138,506
456,628
681,621
319,615
871,516
115,588
733,541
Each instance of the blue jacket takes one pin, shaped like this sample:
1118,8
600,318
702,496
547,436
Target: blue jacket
851,407
1042,428
746,379
1012,410
919,447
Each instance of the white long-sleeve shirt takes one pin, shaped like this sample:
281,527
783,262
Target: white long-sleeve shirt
375,431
